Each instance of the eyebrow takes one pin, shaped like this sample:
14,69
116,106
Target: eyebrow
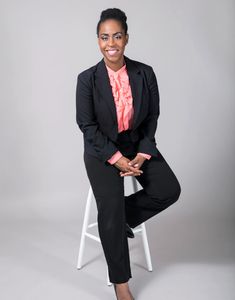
106,34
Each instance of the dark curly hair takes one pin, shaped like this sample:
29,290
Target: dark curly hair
115,14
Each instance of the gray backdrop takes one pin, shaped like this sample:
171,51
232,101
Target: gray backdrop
44,45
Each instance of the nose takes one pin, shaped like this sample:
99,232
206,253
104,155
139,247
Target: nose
111,41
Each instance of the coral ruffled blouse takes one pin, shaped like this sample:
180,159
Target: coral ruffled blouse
122,95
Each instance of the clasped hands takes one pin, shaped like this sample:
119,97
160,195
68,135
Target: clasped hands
130,167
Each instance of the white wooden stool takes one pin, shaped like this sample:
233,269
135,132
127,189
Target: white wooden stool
139,229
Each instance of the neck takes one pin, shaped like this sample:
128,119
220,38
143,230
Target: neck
115,66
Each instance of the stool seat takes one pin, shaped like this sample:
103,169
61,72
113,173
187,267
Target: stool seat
86,226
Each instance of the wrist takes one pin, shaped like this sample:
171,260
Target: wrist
141,156
145,155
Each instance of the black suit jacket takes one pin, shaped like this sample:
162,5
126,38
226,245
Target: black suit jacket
96,111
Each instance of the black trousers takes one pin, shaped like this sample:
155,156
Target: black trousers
160,189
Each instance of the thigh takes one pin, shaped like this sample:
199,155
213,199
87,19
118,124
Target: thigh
106,183
158,179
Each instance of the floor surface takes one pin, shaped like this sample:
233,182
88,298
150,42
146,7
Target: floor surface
192,259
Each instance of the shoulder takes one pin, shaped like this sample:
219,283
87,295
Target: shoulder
140,65
87,74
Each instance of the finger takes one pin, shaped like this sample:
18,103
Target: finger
127,171
136,173
127,174
132,162
133,169
131,172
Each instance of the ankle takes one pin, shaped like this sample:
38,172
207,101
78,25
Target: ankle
122,286
123,291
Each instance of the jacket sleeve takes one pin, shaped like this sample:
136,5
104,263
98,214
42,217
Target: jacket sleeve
115,158
148,127
87,122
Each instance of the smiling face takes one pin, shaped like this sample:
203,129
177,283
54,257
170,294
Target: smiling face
112,41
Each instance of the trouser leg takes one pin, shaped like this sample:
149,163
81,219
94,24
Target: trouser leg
108,189
160,190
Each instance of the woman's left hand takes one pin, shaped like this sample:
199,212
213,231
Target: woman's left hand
136,162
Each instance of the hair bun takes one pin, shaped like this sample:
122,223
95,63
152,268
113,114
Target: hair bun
113,13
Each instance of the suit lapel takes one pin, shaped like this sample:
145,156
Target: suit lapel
136,83
105,89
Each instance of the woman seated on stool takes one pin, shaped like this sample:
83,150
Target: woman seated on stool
117,109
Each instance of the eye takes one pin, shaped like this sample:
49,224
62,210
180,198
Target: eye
104,38
118,36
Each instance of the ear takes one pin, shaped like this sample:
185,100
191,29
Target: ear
127,38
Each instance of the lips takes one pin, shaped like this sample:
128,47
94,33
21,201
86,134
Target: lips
112,52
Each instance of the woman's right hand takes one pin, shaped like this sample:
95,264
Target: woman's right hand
122,164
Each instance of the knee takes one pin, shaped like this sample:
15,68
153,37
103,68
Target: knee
168,195
177,192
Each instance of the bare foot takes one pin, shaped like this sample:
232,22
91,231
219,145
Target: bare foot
122,291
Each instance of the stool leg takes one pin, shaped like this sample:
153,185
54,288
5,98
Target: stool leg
134,183
107,275
146,247
84,228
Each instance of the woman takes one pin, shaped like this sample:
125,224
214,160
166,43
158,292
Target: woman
117,108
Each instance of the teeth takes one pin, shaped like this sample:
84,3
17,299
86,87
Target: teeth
112,52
